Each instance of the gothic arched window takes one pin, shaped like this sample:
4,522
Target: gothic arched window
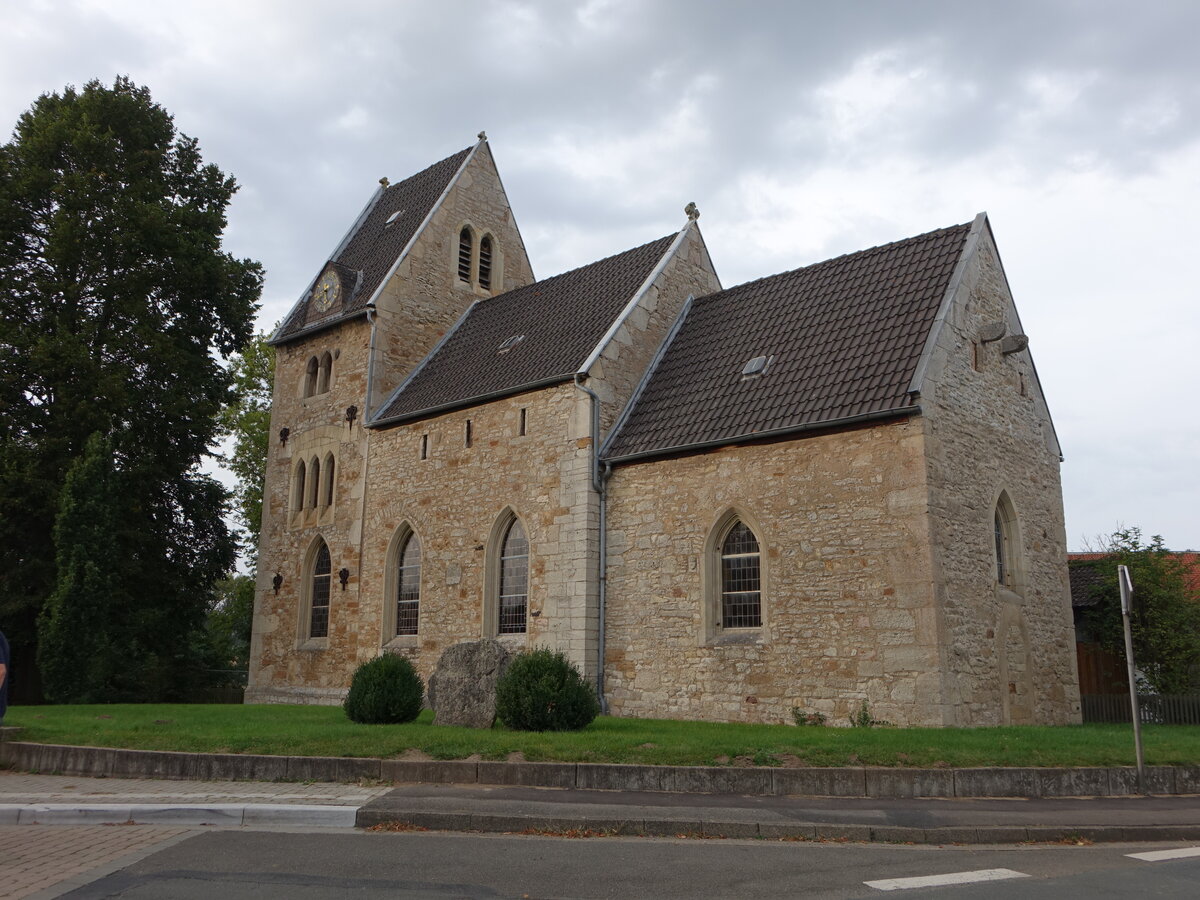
741,578
408,585
322,568
513,599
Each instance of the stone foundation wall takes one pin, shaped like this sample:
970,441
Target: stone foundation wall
847,596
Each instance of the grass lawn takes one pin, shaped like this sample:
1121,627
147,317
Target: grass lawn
325,731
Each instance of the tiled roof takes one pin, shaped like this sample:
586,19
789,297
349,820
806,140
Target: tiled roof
1087,574
843,337
561,320
372,249
1086,581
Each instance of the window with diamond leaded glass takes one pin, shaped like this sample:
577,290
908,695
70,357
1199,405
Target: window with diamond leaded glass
318,623
408,600
514,580
741,584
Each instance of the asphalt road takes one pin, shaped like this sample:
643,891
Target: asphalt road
240,863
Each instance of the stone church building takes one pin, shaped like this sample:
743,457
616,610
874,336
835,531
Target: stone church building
832,485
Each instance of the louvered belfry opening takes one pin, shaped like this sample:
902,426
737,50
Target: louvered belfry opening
464,255
485,263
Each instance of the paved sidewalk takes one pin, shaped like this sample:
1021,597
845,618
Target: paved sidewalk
76,800
48,862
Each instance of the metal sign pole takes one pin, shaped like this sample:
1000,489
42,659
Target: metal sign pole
1126,605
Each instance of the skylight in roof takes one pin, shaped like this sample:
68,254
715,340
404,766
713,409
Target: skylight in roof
393,217
756,366
511,342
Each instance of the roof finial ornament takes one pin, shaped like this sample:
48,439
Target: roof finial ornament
483,135
693,212
383,182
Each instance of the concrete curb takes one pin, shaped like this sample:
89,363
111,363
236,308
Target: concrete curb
231,814
1120,781
791,831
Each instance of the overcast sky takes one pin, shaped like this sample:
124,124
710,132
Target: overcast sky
802,130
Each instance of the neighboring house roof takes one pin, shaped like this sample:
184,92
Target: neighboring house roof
1086,578
373,245
843,338
554,325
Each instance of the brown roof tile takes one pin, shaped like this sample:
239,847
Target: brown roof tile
844,337
561,318
373,248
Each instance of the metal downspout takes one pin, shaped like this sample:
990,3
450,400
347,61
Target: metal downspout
598,485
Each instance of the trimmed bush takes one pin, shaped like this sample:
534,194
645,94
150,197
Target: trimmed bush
542,691
385,691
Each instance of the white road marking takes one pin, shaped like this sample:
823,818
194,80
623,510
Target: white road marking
904,884
1160,855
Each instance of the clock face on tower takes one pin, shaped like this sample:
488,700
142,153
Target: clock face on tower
327,291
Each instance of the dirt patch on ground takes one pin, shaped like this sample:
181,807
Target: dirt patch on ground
515,756
412,754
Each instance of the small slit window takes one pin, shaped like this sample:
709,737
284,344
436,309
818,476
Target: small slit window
424,446
521,427
314,482
298,487
464,255
324,372
327,490
467,434
485,262
510,342
310,377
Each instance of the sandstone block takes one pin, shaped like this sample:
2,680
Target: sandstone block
462,690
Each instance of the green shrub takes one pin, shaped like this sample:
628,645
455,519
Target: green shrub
802,717
543,691
864,719
387,690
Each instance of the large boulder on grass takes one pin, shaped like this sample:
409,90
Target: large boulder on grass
462,690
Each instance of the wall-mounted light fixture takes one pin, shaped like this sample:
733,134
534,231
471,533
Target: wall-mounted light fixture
351,414
343,577
283,436
277,583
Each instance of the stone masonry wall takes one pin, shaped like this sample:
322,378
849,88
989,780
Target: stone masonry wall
280,651
1009,655
454,500
847,596
425,297
616,374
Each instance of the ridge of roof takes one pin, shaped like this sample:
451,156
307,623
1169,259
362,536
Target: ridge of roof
840,339
633,301
373,247
558,322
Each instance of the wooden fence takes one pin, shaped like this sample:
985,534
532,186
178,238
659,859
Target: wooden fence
1155,709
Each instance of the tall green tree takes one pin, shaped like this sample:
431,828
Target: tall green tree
1165,621
116,302
246,420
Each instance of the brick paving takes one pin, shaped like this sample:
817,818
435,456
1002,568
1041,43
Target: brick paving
50,860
